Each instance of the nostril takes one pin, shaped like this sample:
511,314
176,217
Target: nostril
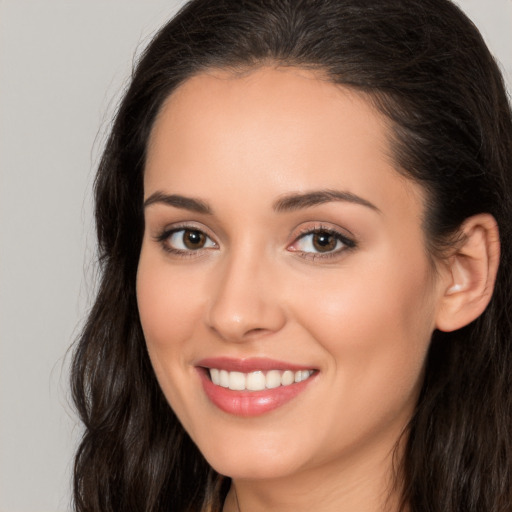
238,312
234,334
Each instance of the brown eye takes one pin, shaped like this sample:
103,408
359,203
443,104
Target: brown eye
186,240
324,241
193,239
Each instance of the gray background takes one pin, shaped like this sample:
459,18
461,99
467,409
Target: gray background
63,66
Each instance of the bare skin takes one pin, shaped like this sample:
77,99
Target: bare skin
340,284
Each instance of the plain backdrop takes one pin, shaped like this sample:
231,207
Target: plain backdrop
63,66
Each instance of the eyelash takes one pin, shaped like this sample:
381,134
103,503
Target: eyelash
347,243
163,239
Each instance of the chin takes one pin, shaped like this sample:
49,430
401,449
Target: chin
254,457
255,469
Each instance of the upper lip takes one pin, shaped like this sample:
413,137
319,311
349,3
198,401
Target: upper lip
249,365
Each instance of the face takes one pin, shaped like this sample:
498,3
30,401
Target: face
284,288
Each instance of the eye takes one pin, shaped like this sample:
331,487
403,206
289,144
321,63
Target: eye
186,240
321,241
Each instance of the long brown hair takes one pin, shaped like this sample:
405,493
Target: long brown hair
426,67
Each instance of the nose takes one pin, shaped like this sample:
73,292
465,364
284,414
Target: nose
245,302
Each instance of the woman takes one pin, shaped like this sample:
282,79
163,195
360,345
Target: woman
303,219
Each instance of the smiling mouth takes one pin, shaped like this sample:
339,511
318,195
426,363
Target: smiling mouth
253,386
257,380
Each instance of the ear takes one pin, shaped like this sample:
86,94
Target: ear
467,281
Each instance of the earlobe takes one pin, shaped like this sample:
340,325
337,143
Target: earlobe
468,283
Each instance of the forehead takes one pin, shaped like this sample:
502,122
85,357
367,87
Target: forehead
289,103
272,130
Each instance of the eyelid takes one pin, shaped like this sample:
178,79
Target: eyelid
348,241
165,233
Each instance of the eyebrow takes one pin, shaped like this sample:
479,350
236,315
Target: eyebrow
292,202
288,203
178,201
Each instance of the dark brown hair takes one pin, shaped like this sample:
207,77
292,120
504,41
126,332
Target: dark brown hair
426,67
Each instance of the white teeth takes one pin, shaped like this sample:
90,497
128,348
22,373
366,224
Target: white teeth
224,378
273,379
287,378
214,374
258,380
305,374
236,381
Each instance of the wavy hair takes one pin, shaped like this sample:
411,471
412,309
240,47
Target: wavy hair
426,67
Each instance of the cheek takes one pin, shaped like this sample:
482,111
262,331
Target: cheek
376,327
169,308
168,303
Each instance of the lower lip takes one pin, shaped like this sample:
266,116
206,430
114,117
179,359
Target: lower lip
250,403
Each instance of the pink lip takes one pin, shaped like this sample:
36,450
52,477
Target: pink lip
249,365
249,403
